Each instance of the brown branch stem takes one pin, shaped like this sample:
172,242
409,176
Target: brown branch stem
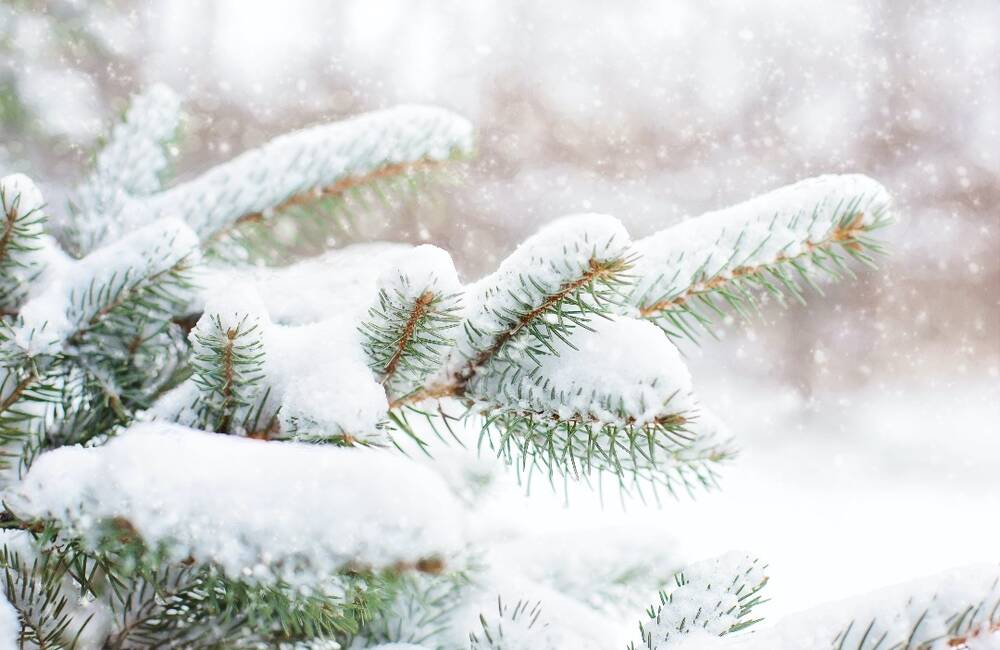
419,310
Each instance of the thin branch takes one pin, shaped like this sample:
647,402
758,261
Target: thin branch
227,378
845,235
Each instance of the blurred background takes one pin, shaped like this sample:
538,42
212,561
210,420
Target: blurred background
870,418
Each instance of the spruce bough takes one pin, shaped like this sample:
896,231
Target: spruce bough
203,452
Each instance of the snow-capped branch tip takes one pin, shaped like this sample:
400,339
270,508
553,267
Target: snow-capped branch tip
700,267
21,204
712,598
409,328
555,282
228,359
307,165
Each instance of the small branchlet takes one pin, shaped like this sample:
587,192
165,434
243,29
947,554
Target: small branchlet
531,324
406,336
23,227
532,327
228,368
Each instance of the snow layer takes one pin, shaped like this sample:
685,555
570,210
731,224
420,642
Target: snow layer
310,160
341,282
559,253
617,571
315,366
232,301
622,370
779,224
86,286
420,269
321,373
10,625
224,500
917,614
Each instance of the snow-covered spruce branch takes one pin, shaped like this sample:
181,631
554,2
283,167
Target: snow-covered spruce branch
956,610
695,270
294,170
409,329
233,560
568,385
67,596
140,278
94,342
192,496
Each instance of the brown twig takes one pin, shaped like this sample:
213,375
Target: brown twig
18,391
419,310
227,378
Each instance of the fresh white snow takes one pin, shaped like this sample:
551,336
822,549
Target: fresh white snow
225,500
420,269
621,370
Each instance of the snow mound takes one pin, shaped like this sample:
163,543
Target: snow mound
224,500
